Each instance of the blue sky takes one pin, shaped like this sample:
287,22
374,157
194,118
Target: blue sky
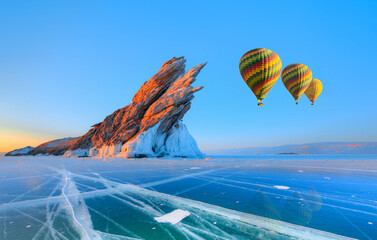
66,65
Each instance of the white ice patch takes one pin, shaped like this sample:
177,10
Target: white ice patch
174,217
282,187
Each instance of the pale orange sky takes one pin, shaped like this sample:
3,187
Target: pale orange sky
11,139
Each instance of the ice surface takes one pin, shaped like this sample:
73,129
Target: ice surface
90,199
173,217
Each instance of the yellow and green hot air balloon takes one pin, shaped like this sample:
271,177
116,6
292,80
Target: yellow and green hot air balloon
296,78
314,90
260,69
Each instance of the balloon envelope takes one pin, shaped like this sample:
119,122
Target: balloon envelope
296,78
314,90
260,69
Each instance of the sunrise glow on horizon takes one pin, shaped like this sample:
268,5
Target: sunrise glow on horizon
11,139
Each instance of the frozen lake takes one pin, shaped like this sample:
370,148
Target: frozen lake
259,197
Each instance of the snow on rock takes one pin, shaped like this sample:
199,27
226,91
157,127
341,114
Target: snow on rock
176,143
180,143
20,151
148,144
77,153
281,187
105,151
174,217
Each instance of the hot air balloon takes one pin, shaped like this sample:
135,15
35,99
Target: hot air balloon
314,90
296,78
260,69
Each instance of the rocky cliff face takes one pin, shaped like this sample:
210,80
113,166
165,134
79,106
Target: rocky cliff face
149,127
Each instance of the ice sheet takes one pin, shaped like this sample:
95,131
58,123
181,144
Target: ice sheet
86,203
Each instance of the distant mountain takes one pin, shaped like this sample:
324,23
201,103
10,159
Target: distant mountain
55,147
20,151
311,148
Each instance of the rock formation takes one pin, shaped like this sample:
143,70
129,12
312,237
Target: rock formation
150,126
19,152
55,147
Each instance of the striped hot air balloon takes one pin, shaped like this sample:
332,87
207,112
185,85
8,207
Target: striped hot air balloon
314,90
260,69
296,78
